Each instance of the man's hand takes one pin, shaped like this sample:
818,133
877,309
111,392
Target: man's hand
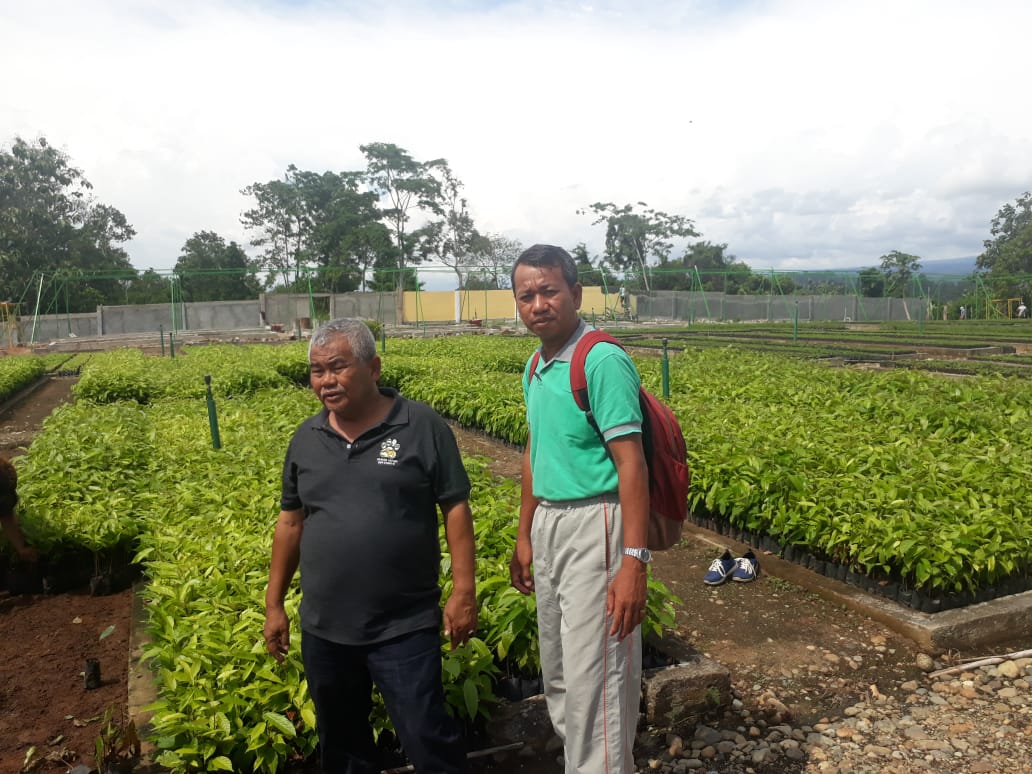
277,632
460,618
625,600
519,566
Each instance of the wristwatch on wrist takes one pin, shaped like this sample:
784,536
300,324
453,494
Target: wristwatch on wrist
643,555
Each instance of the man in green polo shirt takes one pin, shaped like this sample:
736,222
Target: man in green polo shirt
583,522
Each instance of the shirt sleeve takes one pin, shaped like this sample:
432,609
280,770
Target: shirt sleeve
289,498
450,480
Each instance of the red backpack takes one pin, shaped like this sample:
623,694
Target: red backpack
661,438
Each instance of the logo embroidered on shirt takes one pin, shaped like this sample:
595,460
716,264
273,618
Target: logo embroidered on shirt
389,452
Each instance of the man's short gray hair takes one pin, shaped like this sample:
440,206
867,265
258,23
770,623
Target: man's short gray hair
356,332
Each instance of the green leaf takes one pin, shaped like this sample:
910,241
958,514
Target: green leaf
280,723
471,697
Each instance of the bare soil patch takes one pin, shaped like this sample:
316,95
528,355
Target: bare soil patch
44,704
21,421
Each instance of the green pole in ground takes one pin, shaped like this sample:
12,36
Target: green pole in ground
161,338
213,420
593,318
795,323
383,340
666,371
171,346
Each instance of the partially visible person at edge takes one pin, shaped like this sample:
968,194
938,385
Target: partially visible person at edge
8,518
362,483
583,523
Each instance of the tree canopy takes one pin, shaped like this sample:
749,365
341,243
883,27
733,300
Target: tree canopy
452,239
408,186
211,270
592,271
321,223
491,263
715,269
334,229
1007,257
634,239
899,268
51,226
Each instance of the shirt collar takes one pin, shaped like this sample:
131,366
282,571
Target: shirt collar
398,415
565,353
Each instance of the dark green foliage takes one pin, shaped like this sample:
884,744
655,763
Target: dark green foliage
51,225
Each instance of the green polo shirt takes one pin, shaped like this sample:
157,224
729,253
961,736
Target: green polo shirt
567,460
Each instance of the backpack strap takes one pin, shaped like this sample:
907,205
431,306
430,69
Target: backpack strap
533,365
578,376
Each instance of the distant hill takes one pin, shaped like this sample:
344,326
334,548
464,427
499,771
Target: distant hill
962,266
958,266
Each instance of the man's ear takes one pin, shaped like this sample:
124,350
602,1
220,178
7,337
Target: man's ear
578,294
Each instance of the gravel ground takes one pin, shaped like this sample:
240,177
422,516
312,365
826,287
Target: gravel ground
978,720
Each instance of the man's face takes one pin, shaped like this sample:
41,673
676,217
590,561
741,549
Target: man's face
546,304
344,384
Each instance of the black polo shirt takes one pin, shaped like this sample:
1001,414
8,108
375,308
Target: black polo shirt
370,555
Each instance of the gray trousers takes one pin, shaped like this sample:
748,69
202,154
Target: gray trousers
592,680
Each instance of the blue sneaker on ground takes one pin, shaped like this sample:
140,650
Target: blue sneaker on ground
720,569
746,567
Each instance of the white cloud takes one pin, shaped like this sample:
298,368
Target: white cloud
802,133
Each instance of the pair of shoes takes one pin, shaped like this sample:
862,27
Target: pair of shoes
743,569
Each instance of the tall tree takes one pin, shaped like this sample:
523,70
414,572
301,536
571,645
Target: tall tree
872,282
899,268
280,221
347,235
148,287
636,239
717,270
452,239
1007,257
318,223
51,226
211,270
592,271
386,276
409,186
491,262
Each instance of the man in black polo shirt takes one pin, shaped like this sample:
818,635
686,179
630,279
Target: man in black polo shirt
362,484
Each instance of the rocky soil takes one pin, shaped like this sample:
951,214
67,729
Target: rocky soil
979,720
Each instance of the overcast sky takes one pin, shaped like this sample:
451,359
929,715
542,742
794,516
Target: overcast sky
803,133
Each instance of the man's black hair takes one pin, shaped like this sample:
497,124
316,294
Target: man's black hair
546,255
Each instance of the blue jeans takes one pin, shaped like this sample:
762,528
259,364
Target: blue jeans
407,670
